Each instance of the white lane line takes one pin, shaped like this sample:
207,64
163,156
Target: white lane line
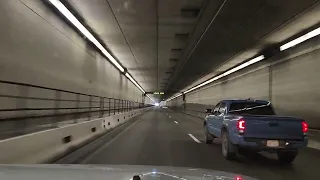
176,122
194,138
95,153
169,116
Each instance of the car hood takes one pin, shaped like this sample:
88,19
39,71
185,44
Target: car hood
112,172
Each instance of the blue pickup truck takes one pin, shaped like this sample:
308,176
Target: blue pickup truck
253,124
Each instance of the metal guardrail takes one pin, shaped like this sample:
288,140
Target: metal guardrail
200,114
26,108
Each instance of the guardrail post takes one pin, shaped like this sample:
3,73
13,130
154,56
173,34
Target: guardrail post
122,105
90,105
114,106
21,104
109,101
76,115
118,106
54,122
101,106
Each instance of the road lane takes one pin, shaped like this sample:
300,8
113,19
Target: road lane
155,139
260,165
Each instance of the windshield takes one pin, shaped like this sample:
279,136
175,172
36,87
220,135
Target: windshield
128,82
251,108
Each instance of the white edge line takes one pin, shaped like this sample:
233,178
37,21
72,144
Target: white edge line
176,122
315,130
194,138
314,144
100,149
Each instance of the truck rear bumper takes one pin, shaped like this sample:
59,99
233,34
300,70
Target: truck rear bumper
261,144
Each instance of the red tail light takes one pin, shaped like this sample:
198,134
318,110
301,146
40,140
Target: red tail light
241,124
304,127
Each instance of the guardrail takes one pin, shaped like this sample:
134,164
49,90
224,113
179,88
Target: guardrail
200,114
50,145
27,108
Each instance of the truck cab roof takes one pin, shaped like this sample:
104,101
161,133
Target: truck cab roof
229,101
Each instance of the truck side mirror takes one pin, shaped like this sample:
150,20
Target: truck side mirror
208,110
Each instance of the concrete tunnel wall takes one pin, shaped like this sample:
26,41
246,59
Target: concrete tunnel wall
37,47
290,80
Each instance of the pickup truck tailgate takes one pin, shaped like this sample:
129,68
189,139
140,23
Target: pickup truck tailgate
273,127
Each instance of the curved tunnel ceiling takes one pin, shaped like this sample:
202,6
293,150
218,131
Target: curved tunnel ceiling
146,36
238,26
167,45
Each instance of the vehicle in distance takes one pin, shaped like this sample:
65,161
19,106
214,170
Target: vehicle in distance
253,124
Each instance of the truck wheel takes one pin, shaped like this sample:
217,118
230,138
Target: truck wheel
287,156
229,150
207,137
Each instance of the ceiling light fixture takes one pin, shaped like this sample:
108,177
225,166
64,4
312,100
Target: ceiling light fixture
62,9
84,31
134,82
285,46
226,73
150,98
174,97
300,39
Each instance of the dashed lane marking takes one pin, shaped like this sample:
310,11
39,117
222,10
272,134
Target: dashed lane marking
194,138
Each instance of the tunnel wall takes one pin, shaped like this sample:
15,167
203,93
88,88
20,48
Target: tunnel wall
290,80
38,47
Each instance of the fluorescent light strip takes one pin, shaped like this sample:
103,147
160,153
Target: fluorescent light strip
150,98
288,45
174,97
84,31
248,63
300,39
134,82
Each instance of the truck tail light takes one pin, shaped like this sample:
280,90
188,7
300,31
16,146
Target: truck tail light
241,124
304,127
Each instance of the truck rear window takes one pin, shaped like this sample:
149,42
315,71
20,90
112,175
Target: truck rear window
251,108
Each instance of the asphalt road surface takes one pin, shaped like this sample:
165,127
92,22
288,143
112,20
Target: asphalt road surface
162,137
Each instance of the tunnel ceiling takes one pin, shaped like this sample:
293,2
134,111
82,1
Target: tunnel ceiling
162,42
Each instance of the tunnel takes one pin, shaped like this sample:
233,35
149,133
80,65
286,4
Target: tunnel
133,82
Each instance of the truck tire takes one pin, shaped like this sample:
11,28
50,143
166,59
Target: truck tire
208,138
287,156
229,150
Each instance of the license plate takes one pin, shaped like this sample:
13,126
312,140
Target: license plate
272,143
